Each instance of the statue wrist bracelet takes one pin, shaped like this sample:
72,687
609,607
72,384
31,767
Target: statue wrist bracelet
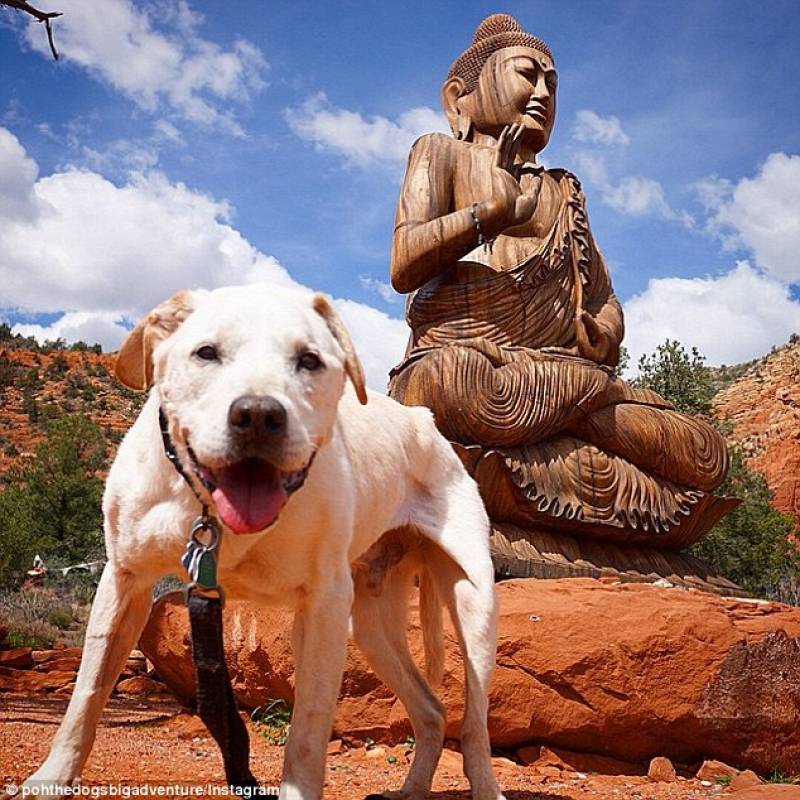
482,240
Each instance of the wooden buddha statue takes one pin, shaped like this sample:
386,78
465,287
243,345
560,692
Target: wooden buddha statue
515,329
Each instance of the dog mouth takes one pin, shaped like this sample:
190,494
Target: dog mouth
249,494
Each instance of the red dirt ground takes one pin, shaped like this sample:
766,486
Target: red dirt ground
155,742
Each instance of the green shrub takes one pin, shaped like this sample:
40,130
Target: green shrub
752,544
273,720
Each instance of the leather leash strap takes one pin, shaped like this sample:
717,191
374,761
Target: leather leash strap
216,703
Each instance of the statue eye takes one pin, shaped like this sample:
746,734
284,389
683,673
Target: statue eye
207,353
309,361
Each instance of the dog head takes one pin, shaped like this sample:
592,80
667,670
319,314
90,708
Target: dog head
250,379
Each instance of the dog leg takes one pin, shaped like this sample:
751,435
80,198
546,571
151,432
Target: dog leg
119,612
473,608
319,640
379,630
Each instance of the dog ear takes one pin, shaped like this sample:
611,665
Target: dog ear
352,365
134,364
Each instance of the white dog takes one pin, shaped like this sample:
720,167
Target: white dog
252,383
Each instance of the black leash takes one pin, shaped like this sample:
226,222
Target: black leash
216,703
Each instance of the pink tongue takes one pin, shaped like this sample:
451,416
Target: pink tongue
249,495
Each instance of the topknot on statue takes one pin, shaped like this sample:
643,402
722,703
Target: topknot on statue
494,33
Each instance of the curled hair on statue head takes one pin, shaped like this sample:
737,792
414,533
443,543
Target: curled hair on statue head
495,33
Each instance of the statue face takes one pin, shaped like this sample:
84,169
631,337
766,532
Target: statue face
516,85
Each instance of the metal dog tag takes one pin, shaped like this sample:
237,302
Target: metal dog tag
200,557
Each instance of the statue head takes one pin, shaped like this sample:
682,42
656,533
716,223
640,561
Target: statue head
505,76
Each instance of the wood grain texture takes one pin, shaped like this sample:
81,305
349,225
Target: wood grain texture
528,552
515,328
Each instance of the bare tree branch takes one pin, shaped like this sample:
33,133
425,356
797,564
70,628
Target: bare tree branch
39,16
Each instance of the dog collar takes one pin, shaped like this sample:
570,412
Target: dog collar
200,557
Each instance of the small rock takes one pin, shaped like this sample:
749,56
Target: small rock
452,761
771,791
57,652
66,664
334,747
529,755
376,752
744,780
549,772
706,784
189,727
713,770
661,770
17,657
551,758
139,686
502,763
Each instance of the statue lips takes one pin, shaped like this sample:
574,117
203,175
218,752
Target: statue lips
249,494
537,111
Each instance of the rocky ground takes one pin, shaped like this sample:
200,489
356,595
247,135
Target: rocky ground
153,741
147,736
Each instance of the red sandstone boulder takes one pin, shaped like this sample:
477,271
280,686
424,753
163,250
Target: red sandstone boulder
714,770
629,671
745,780
25,681
661,770
768,791
17,658
138,686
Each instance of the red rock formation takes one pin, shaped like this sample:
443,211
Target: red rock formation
763,407
685,675
85,385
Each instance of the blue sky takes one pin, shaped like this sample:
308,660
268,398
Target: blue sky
201,147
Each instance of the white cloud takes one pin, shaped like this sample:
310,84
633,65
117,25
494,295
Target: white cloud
93,327
633,195
591,127
379,340
713,191
104,253
120,157
193,77
591,167
166,131
731,318
361,141
761,214
17,199
637,196
381,288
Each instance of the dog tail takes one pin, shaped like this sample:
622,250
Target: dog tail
430,613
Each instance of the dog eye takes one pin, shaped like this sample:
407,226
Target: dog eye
310,361
207,352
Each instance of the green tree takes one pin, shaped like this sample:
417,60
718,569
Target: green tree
17,546
678,376
752,545
52,505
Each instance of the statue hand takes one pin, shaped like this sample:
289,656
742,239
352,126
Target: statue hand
593,342
509,206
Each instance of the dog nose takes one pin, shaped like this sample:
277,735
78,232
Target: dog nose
257,417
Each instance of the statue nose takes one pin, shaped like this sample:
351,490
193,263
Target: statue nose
254,417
